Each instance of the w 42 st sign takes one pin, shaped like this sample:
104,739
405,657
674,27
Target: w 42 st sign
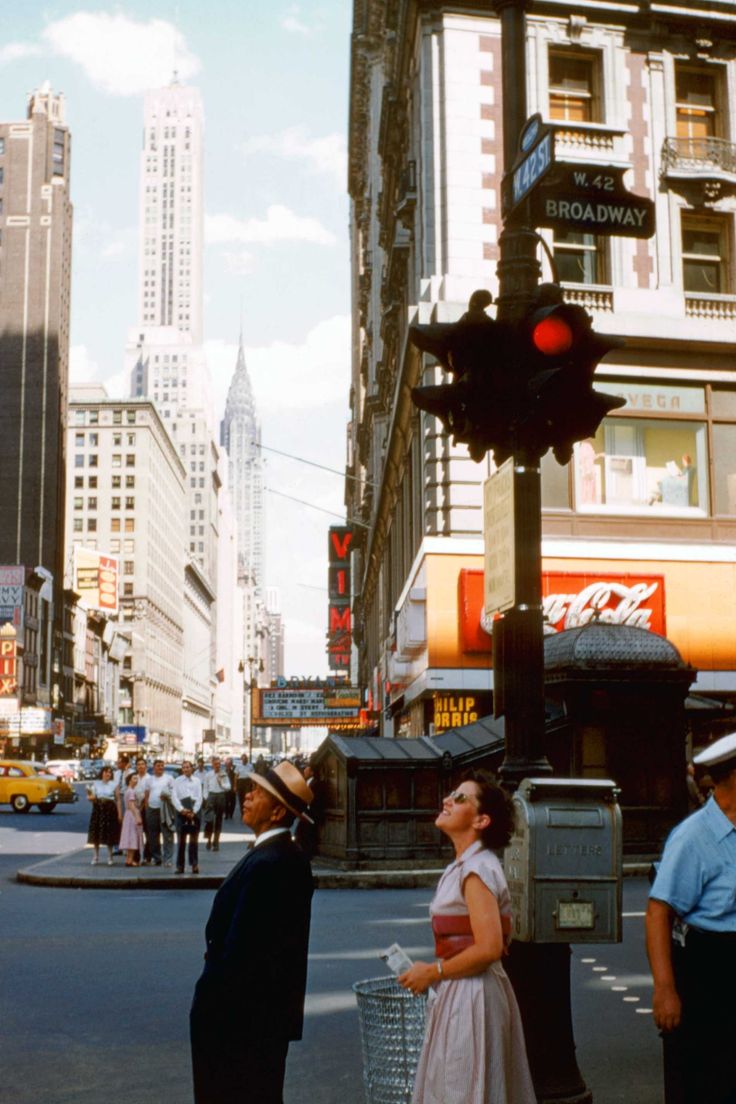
591,199
565,196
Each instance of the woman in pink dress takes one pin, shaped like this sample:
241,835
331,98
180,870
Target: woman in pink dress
474,1050
131,835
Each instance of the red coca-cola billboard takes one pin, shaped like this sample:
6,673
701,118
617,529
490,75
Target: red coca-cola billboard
570,599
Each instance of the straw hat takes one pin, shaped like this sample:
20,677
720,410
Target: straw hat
286,783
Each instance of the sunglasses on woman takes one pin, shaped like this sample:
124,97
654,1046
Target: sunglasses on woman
458,797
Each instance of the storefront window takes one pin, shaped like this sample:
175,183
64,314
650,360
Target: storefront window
642,466
724,469
555,484
646,465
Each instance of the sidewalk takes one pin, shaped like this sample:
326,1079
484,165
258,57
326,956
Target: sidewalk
73,869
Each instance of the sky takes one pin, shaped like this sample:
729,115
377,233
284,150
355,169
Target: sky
274,81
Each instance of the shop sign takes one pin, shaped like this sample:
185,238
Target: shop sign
340,629
12,581
96,579
655,398
29,721
454,710
569,600
58,730
8,661
131,735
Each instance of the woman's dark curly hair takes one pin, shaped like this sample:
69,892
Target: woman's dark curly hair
497,804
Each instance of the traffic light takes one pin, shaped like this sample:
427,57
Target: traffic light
560,351
477,407
519,388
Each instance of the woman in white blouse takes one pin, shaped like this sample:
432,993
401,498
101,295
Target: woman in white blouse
104,823
474,1048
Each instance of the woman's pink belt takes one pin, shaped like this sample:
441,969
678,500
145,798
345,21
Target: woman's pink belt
452,934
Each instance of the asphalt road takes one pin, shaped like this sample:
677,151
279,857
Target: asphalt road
96,986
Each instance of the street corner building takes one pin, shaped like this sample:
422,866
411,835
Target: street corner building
639,528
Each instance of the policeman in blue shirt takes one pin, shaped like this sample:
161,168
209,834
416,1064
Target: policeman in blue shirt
691,942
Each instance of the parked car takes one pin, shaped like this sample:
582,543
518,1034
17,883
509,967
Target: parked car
23,784
67,769
89,769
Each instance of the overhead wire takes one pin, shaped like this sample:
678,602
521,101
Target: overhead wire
313,506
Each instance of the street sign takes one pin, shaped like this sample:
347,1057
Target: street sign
591,199
499,538
533,162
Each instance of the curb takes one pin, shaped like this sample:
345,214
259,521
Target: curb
324,878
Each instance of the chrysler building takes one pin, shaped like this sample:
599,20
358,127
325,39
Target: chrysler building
241,436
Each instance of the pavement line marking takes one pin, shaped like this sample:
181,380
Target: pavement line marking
629,915
599,969
632,1000
587,960
644,1011
608,977
619,988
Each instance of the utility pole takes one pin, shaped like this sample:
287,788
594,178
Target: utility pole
540,973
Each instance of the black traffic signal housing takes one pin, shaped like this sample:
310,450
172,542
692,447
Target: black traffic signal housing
477,407
560,350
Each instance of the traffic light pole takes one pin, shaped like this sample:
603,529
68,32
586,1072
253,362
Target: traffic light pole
540,972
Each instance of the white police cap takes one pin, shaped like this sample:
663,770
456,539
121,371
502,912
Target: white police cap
718,752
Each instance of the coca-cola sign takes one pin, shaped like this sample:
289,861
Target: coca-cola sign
570,599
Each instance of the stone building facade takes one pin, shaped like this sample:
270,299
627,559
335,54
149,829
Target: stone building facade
645,514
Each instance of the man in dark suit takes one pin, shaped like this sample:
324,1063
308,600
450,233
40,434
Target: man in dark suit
249,1002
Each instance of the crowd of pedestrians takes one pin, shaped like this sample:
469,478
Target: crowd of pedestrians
141,815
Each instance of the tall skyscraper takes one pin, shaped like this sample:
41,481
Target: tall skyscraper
164,355
35,271
170,264
240,434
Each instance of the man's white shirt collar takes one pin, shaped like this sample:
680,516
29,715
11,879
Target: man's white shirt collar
268,835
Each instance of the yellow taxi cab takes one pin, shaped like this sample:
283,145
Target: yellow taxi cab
23,784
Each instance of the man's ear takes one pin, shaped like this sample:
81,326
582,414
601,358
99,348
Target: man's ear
279,813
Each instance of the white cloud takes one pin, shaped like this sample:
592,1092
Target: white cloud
15,51
280,224
120,243
82,369
290,376
291,22
327,154
241,263
119,55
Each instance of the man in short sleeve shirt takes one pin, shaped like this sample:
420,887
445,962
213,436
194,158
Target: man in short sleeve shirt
691,942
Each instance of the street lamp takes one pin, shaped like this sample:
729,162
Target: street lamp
254,664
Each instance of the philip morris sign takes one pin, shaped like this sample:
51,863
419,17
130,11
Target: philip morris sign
569,600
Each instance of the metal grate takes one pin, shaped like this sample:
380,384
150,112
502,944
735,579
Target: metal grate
392,1032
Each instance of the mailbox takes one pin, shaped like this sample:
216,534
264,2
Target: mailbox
563,864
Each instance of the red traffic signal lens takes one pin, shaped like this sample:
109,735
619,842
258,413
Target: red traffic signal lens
552,336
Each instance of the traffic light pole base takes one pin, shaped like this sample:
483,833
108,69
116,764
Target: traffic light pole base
540,975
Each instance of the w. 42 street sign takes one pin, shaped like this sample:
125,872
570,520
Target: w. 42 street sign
565,196
591,199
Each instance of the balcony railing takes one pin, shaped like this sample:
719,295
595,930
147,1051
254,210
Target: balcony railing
699,157
721,308
593,297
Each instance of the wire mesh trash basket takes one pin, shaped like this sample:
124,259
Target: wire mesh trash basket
392,1032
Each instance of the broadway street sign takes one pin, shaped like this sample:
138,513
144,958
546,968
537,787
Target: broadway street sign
591,199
